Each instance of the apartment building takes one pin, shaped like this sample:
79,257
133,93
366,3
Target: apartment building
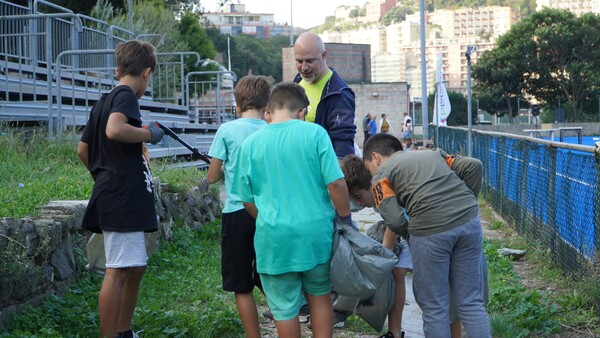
396,49
235,20
577,7
486,22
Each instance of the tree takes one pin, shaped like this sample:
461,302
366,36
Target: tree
458,115
250,54
396,14
195,36
551,55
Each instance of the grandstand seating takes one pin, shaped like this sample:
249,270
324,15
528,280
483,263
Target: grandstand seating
55,64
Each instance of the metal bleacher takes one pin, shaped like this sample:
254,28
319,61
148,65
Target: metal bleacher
55,64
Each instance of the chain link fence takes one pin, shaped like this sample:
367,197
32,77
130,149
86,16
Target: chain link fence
548,191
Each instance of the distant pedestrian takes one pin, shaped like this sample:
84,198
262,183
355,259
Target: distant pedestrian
372,127
407,131
365,125
122,203
384,125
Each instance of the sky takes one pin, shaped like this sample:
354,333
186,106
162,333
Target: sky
307,13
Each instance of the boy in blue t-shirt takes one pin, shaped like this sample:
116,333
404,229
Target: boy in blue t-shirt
288,178
238,258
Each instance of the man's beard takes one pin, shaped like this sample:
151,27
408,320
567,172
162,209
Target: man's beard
311,79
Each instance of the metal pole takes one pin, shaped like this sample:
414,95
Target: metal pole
130,14
437,116
469,112
228,53
291,23
424,108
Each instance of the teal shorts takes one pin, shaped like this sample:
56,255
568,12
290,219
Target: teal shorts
285,292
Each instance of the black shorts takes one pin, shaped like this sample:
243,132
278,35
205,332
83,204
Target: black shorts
238,258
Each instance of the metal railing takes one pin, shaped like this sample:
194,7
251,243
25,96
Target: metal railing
548,191
55,64
204,90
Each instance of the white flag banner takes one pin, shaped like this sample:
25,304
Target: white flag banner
441,108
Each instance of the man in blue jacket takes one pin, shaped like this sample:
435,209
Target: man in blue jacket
331,100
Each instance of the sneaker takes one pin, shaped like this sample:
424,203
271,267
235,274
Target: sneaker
304,313
304,310
390,335
268,314
337,322
128,334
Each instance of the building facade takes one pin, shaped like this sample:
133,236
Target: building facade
235,20
577,7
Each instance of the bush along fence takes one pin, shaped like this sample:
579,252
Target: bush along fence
548,191
44,254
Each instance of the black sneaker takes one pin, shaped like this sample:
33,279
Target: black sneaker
304,312
390,335
268,314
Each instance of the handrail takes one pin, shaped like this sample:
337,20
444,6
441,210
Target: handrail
58,77
160,42
78,22
198,60
113,27
562,145
210,72
92,19
49,4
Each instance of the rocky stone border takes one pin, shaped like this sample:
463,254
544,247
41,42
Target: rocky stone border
44,254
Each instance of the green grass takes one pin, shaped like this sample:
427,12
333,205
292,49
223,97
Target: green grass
35,171
514,310
180,296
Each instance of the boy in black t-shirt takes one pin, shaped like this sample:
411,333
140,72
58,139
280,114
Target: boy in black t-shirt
122,203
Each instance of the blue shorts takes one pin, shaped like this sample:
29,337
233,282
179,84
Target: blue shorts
406,134
285,292
404,259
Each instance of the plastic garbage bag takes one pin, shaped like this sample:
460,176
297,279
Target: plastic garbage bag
359,264
376,314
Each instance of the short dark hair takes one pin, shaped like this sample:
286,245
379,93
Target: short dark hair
382,143
288,95
134,56
252,92
357,176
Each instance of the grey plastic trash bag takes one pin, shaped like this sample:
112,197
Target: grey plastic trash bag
376,314
359,264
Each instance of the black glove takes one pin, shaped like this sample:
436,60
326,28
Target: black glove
157,133
397,249
367,302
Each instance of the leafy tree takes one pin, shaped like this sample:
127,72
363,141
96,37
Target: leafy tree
195,36
551,55
458,115
564,67
396,14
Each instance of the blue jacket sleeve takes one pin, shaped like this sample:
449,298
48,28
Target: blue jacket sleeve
340,122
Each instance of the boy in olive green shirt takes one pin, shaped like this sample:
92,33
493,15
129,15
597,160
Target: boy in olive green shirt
445,231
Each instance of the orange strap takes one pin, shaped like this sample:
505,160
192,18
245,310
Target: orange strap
382,190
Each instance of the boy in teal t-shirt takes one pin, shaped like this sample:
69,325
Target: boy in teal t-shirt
238,258
288,178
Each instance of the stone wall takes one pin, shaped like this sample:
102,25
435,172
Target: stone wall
45,254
